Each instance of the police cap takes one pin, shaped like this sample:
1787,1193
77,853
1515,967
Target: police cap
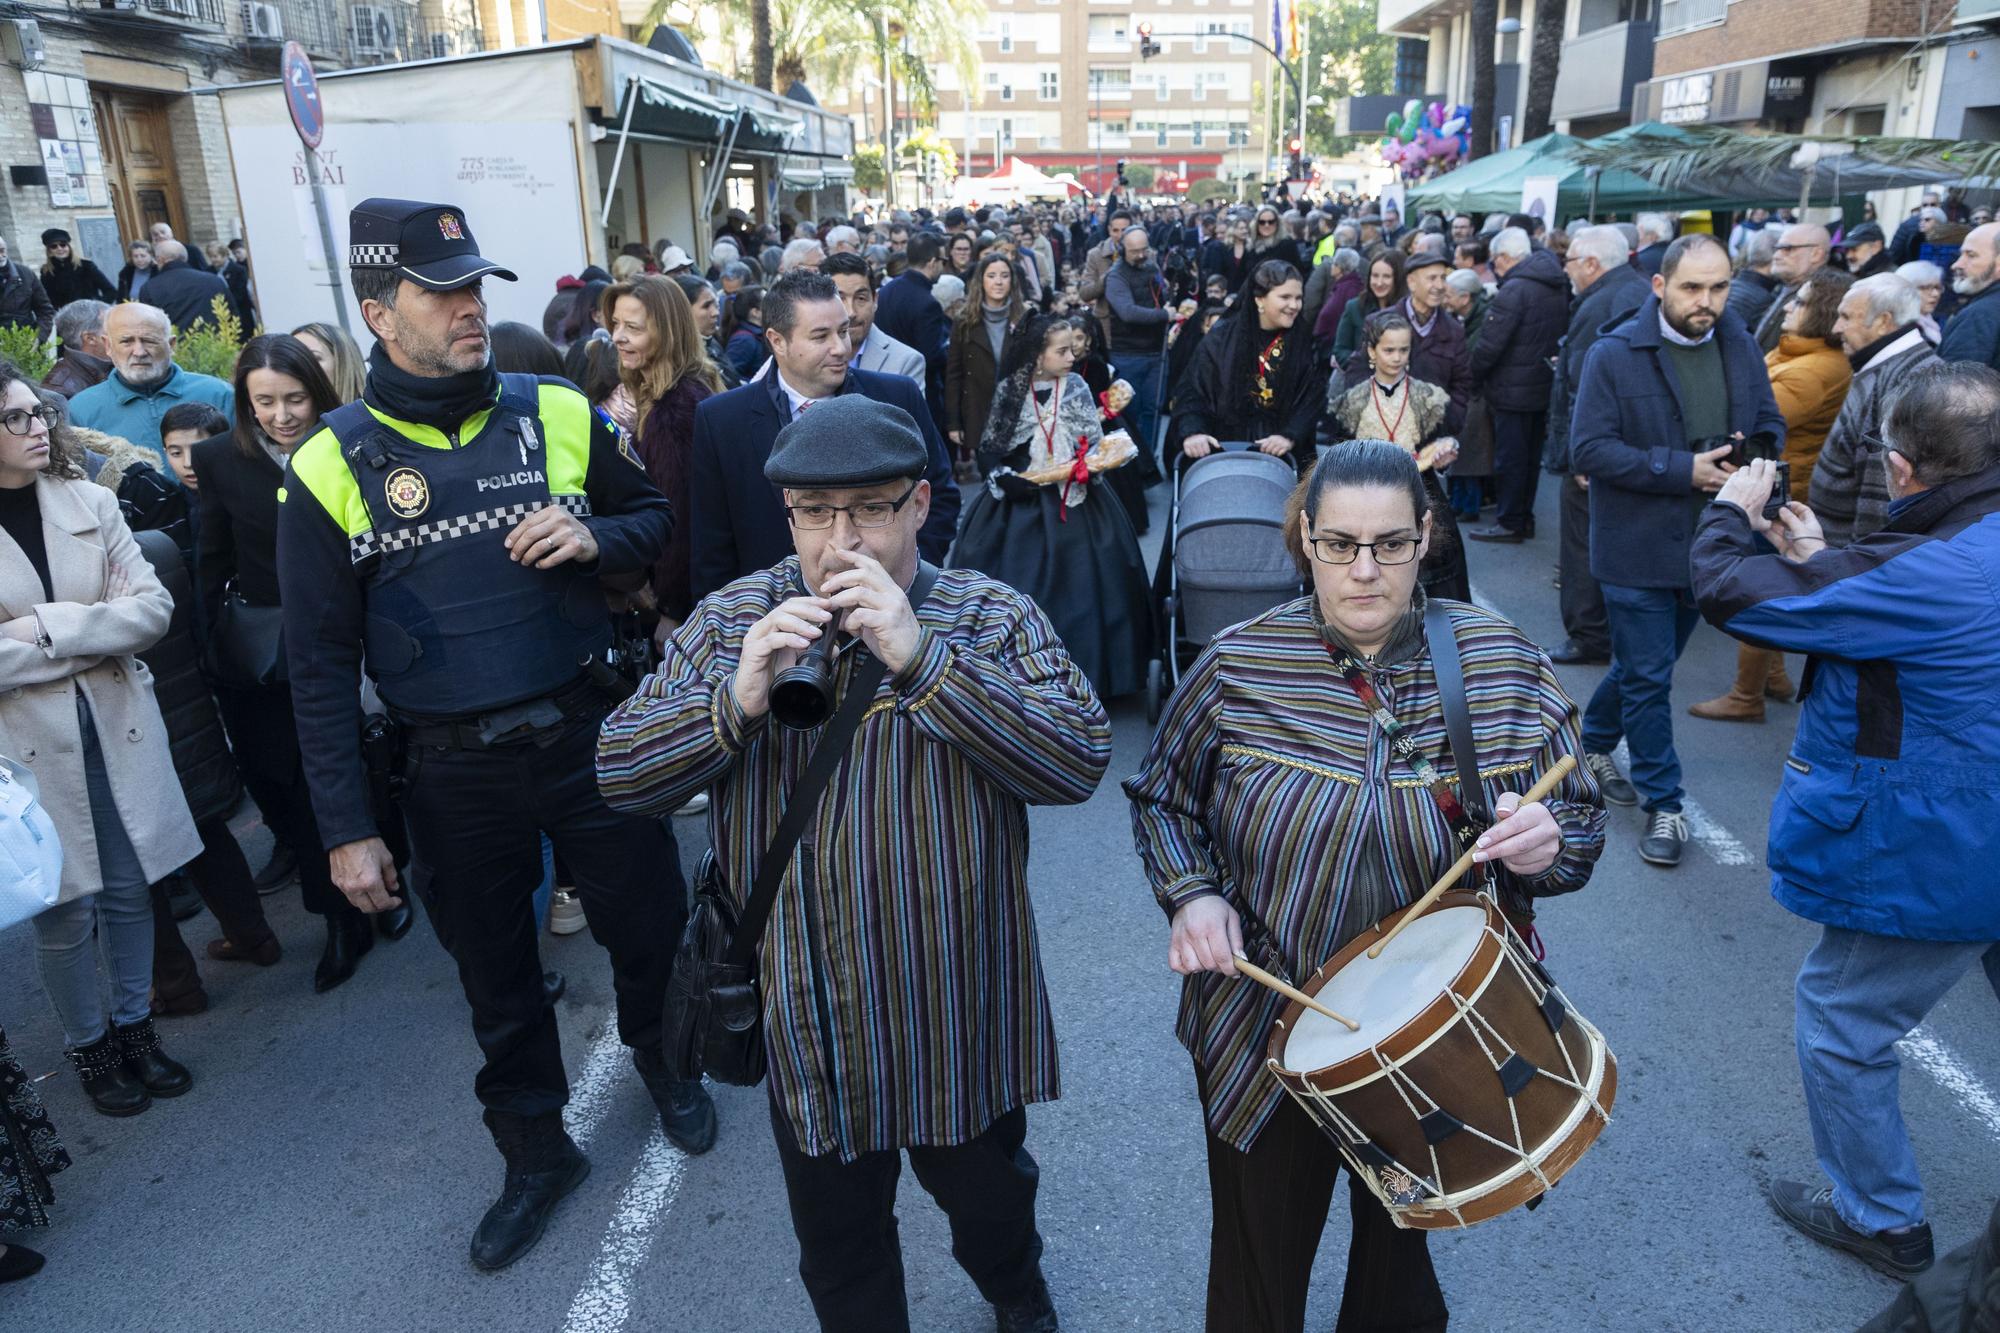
430,244
844,442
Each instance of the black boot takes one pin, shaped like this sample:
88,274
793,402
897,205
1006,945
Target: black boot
543,1165
553,986
348,936
687,1113
162,1075
100,1068
1034,1314
17,1262
395,923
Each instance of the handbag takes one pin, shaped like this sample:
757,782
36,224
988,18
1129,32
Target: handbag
1508,888
714,1019
30,852
246,644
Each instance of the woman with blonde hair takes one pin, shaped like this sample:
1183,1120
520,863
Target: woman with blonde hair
663,367
338,355
78,600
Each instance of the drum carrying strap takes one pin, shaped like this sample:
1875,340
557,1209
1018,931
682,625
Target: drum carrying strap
1473,811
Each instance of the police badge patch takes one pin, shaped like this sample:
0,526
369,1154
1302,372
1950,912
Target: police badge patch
448,225
409,494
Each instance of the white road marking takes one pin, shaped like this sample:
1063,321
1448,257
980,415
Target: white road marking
1923,1048
604,1304
1720,844
596,1083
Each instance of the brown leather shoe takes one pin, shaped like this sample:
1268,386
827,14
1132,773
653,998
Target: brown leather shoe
264,955
1730,707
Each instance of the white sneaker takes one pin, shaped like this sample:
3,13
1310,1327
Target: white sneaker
565,913
697,804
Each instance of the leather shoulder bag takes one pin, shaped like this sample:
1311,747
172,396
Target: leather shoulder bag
714,1009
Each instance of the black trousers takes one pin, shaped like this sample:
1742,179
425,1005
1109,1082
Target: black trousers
1517,466
222,877
844,1214
1582,601
1270,1207
264,733
475,820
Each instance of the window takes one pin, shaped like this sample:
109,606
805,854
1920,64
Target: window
1107,32
1007,133
1006,35
1160,84
1239,134
1681,15
1197,134
1007,92
1051,88
1200,86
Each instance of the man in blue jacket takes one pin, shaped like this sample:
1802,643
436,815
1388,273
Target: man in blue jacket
1665,398
1883,830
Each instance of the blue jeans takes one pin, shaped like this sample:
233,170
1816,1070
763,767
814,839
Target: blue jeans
1858,995
119,917
1649,628
1143,373
547,893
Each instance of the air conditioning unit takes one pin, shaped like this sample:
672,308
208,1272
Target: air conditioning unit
263,22
21,42
441,45
118,4
180,9
374,30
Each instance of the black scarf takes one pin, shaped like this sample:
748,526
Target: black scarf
442,402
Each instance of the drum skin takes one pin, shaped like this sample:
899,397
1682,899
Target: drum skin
1442,1054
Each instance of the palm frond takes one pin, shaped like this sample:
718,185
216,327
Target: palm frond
1674,156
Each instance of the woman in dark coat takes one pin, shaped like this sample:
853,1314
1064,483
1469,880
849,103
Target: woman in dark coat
1255,377
994,308
1382,289
281,393
29,1154
66,278
1068,545
1268,241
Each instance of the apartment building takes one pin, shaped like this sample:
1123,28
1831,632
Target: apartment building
1062,86
103,135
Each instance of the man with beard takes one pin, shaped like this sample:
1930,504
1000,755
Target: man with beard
1664,399
1974,332
144,381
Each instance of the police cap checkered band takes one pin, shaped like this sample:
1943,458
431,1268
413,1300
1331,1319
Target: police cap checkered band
430,244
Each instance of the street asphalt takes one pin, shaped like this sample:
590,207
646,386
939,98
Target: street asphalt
328,1167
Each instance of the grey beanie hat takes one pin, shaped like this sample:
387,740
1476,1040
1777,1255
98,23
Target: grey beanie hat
846,441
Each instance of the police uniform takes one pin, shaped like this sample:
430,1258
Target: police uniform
392,532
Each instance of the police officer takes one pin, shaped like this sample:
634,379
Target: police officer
459,527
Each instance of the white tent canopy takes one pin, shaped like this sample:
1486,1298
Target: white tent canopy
1020,180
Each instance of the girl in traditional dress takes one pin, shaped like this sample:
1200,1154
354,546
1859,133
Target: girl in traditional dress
1066,544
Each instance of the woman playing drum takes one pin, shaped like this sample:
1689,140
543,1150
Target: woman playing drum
1295,793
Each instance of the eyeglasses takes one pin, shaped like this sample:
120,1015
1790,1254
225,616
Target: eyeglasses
17,421
869,514
1799,245
1341,551
1267,222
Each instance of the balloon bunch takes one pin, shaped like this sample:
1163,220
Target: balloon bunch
1419,136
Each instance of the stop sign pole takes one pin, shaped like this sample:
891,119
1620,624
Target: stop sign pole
309,119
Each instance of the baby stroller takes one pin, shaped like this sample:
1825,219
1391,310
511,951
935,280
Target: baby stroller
1224,559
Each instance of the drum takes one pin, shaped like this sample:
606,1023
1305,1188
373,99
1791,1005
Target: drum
1472,1085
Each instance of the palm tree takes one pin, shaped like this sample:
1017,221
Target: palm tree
831,40
1544,59
1485,19
762,54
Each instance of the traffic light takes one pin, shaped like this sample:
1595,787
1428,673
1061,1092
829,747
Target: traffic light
1148,48
1297,146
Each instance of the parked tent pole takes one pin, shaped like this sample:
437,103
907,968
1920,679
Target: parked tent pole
624,135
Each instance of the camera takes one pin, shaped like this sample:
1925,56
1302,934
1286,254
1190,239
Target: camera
1781,491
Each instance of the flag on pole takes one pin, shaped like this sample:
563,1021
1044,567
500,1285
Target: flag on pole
1292,30
1278,23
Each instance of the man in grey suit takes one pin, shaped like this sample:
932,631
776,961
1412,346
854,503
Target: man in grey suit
873,349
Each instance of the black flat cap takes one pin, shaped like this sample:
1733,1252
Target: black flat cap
430,244
55,236
1423,259
847,441
1867,231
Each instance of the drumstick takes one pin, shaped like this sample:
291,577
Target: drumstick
1290,992
1546,784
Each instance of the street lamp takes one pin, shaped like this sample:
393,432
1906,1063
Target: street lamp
1148,48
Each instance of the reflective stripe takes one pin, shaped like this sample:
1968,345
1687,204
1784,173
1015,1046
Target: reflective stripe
566,424
366,544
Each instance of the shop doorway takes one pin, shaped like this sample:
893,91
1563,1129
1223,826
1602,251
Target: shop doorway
138,147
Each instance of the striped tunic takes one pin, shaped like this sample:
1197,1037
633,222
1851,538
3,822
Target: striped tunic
1270,782
904,918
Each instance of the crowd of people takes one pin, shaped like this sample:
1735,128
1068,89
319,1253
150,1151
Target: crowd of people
311,585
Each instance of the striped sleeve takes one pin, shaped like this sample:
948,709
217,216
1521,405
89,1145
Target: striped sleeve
1169,794
1024,713
683,730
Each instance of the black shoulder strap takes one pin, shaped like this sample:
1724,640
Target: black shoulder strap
1457,713
826,757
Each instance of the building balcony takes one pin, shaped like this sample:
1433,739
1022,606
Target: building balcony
1413,18
1599,69
194,15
